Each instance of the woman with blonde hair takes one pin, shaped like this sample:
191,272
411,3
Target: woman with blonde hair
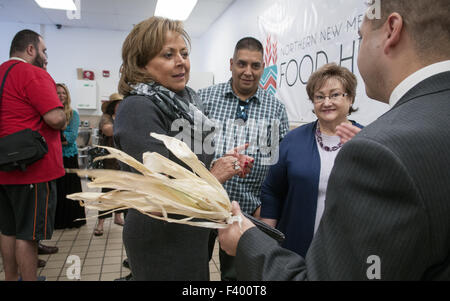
155,72
68,211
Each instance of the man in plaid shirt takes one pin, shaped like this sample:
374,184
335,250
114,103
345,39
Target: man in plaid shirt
243,113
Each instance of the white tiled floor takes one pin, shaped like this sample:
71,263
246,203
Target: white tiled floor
100,257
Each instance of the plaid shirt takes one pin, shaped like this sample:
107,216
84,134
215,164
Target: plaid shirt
267,118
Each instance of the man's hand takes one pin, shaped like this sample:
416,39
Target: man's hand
347,132
229,238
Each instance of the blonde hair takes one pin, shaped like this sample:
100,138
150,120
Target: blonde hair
142,44
67,108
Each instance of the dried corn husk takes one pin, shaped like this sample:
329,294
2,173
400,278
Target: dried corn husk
161,187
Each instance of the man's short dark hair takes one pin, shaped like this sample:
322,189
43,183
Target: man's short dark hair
22,39
427,22
249,43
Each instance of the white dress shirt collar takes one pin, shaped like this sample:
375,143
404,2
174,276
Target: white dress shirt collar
415,78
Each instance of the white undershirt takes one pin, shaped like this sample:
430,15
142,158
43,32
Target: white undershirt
326,165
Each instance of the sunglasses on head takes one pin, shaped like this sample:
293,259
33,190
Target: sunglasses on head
242,112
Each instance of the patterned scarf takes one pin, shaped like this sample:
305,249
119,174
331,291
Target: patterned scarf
184,105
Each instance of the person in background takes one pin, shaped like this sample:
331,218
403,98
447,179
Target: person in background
69,214
106,131
28,198
293,194
155,71
243,111
387,204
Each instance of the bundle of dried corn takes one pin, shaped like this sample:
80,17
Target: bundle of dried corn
163,187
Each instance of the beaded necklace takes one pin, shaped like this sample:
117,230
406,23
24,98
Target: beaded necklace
325,147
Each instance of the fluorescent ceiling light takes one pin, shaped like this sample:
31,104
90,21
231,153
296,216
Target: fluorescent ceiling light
57,4
175,9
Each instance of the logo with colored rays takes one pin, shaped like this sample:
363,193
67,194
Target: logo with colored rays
269,79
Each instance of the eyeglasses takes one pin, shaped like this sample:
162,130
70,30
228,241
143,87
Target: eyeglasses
333,97
242,112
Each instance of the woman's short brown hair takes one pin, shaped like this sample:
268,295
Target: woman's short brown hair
142,44
332,70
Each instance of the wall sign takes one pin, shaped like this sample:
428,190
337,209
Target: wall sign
299,37
88,75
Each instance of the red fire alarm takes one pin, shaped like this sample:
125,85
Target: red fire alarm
89,75
105,73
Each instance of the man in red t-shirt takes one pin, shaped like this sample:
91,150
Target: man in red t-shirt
28,198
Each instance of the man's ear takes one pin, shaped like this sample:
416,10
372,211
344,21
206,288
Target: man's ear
30,50
393,27
231,64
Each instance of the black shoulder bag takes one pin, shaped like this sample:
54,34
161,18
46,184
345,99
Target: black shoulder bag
21,149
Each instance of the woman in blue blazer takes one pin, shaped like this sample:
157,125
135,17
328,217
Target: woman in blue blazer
293,194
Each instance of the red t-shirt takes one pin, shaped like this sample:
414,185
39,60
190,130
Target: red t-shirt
29,93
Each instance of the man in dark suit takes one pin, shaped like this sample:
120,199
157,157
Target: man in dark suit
387,214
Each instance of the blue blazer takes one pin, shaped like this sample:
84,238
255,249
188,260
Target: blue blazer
289,193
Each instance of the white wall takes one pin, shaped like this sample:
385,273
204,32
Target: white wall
94,50
217,45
